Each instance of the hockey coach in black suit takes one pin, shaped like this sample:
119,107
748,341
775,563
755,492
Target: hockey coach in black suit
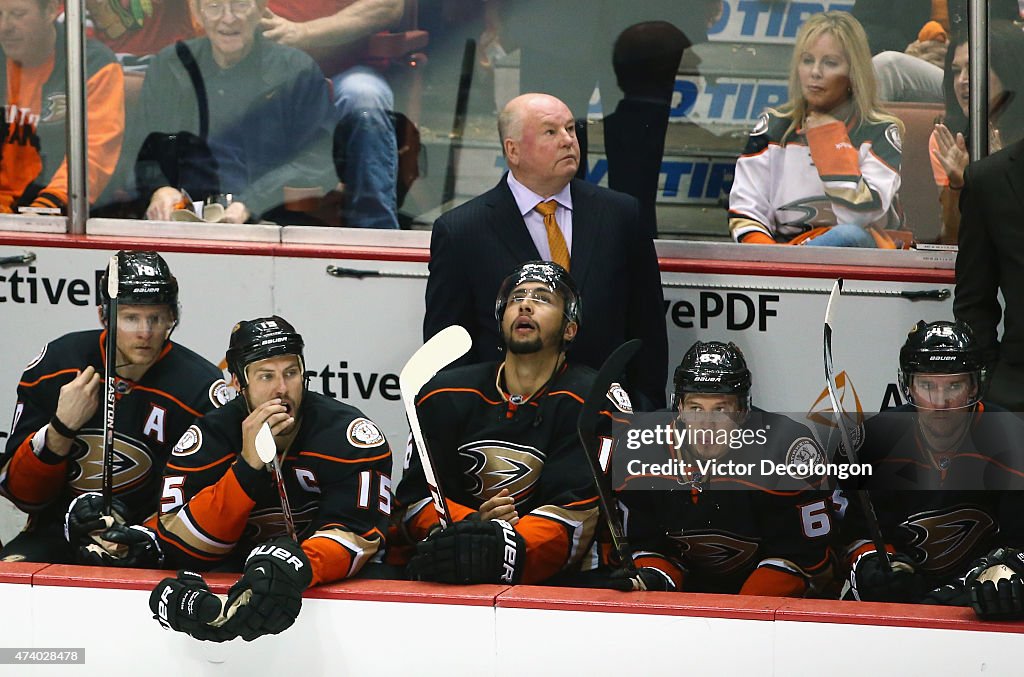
538,211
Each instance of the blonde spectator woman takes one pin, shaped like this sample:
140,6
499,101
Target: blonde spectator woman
823,169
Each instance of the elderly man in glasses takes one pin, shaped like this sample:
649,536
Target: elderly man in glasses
233,114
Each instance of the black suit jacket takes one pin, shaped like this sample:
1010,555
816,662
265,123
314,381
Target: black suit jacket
991,256
476,245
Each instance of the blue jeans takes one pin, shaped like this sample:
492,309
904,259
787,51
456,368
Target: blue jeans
843,235
366,147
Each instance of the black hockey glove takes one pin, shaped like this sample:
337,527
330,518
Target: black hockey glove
872,581
470,552
122,546
186,604
274,578
85,518
997,590
644,578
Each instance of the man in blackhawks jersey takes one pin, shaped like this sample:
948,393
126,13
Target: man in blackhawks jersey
695,514
52,465
507,454
220,500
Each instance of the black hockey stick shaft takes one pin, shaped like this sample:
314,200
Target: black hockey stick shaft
587,425
110,389
863,497
459,121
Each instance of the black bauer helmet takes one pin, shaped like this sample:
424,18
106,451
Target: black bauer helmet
941,347
144,279
713,367
554,276
259,339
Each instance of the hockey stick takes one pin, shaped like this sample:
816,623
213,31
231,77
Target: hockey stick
266,449
586,426
110,395
459,121
442,349
863,497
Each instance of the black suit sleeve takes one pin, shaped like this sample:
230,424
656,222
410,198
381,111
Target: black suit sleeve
645,319
977,265
448,297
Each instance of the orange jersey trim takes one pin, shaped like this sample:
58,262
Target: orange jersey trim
773,583
172,398
456,390
31,384
345,460
171,466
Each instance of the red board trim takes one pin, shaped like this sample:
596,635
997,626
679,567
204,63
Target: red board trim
422,255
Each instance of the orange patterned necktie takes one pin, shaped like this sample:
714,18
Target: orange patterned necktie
556,241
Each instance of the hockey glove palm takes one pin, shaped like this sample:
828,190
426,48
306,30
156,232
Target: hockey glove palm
872,581
470,552
275,576
186,604
997,589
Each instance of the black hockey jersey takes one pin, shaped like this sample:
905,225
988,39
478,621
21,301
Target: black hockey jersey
337,474
989,455
941,507
151,415
731,531
941,531
482,443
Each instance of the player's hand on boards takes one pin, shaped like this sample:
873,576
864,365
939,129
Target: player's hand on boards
275,575
997,588
272,412
470,551
501,506
185,604
123,546
874,579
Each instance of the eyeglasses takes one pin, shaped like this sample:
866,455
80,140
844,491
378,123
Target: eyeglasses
538,294
215,10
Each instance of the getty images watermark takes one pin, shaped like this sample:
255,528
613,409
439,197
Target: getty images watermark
724,450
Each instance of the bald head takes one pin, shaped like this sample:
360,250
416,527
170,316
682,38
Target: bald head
538,139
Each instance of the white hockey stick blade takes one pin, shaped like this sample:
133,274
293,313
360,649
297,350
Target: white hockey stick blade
442,349
830,377
266,448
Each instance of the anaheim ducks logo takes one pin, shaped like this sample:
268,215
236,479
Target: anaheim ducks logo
267,523
806,213
853,412
715,551
55,108
892,135
493,465
944,540
761,126
132,463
